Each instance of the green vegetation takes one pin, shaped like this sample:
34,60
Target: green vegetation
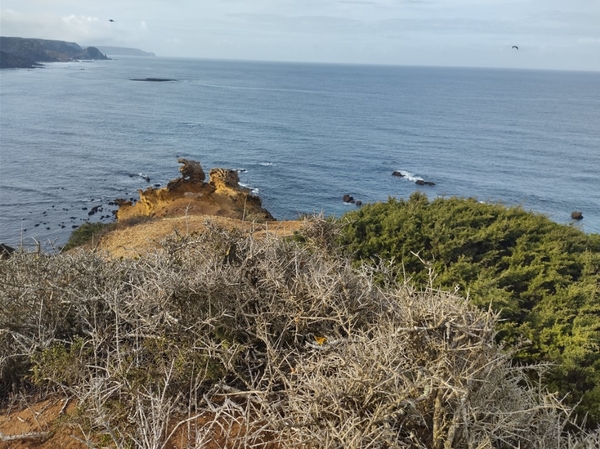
543,278
89,234
267,343
86,233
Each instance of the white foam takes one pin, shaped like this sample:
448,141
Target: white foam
253,190
410,176
266,164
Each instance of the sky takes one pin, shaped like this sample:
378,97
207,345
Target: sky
550,34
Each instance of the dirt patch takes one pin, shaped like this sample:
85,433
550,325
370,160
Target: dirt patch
49,424
144,237
43,425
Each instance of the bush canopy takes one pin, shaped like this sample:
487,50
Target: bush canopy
543,278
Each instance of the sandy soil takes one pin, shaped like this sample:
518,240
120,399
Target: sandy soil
43,425
138,239
49,424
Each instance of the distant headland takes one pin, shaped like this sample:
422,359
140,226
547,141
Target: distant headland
19,52
123,51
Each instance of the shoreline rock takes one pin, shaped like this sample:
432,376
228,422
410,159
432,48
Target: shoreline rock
191,195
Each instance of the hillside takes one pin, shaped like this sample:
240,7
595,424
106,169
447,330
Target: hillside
224,340
16,49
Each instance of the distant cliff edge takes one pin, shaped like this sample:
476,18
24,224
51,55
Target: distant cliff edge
19,52
123,51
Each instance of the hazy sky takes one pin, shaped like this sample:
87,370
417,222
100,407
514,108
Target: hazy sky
551,34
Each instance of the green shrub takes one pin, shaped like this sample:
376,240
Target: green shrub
543,278
86,233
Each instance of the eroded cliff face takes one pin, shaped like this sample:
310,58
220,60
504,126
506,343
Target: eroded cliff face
190,195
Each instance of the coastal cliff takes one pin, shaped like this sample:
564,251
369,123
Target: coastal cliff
189,194
18,52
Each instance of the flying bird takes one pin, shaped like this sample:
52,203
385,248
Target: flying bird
110,20
515,47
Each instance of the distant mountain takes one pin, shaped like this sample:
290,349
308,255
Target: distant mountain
123,51
16,51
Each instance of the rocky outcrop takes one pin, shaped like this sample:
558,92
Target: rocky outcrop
190,195
397,174
191,171
577,215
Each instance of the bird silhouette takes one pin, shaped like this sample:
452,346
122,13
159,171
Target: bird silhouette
515,47
110,20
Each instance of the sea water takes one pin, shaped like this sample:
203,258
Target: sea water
78,135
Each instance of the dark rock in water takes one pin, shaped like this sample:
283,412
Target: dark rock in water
358,203
420,182
156,185
348,199
84,208
94,209
397,173
576,215
5,251
153,80
74,226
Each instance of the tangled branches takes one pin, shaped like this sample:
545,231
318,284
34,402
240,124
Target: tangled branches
224,340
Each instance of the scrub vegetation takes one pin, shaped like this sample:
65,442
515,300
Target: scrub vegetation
220,339
542,278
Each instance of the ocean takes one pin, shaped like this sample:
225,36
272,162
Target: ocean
78,135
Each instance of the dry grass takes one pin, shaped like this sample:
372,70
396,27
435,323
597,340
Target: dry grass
221,339
133,241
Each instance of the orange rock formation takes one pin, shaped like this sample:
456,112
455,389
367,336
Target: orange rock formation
190,195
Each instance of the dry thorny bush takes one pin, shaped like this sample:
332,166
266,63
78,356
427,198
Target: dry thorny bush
223,340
